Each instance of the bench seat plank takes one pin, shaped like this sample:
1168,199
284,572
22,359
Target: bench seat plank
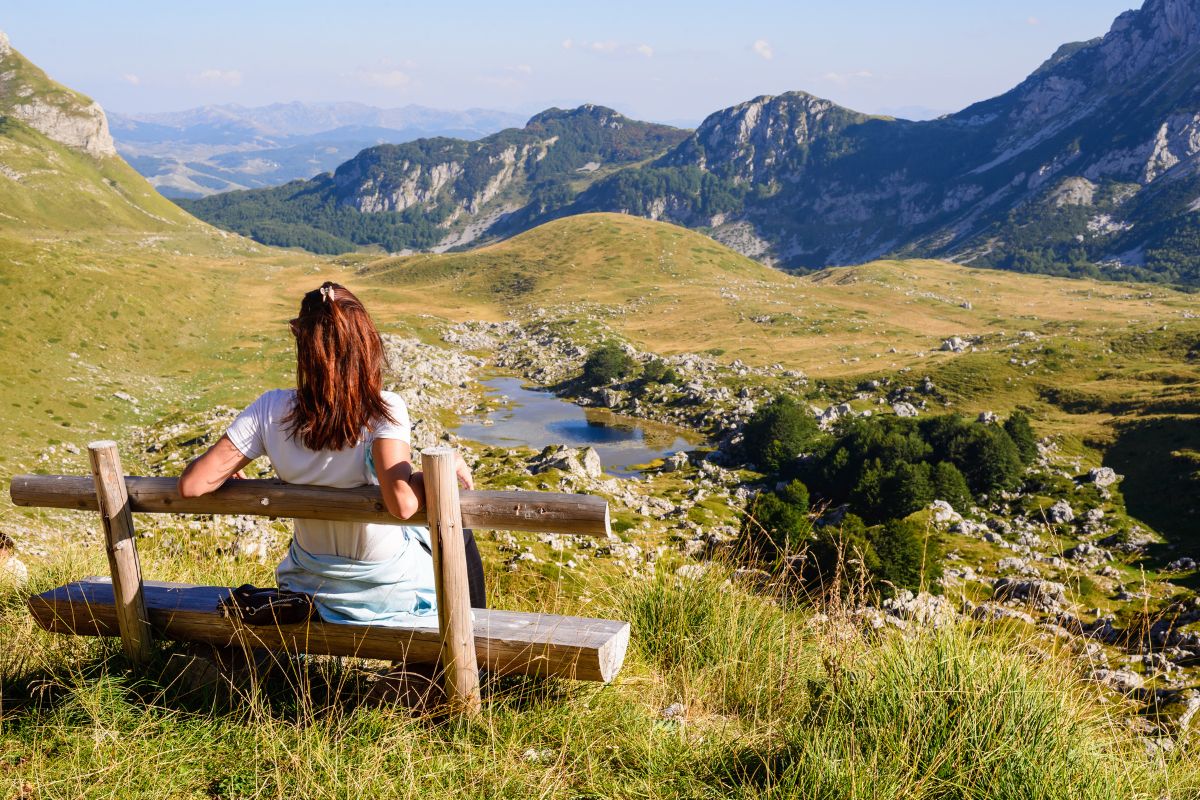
506,642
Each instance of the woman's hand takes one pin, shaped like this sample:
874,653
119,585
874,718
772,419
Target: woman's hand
463,472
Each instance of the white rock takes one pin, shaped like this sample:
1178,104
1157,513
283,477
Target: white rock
1103,476
1060,512
955,344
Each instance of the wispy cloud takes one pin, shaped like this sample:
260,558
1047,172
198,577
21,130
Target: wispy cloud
609,47
131,79
1033,21
510,77
385,77
224,77
843,78
762,49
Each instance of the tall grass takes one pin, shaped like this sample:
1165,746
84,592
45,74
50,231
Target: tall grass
771,702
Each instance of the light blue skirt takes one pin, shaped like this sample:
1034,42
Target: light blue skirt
397,592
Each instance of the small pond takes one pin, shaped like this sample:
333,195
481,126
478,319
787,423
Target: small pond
535,418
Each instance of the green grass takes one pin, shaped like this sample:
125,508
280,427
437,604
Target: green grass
774,703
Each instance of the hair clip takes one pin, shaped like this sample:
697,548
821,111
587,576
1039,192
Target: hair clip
328,294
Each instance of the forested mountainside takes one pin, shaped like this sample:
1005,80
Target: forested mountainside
1088,167
441,192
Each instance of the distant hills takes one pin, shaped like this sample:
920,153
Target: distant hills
1088,167
210,149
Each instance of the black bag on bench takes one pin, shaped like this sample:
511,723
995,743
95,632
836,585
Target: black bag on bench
267,606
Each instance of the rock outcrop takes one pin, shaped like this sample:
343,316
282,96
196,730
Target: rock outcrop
62,115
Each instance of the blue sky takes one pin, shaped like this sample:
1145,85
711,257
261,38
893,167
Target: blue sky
668,61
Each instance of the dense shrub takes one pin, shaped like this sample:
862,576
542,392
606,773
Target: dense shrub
908,553
1021,432
658,371
607,363
950,485
840,557
778,432
776,524
890,467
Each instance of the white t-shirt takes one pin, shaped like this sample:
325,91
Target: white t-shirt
260,430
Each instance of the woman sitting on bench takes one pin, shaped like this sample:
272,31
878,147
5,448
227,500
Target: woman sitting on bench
339,428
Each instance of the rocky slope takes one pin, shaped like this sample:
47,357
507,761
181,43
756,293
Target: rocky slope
58,167
62,115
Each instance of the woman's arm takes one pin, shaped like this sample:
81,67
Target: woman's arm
403,489
219,463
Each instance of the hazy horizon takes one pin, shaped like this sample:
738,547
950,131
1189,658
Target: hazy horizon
669,63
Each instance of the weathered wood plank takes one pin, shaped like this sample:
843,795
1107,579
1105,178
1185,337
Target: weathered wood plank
539,512
506,642
459,665
121,546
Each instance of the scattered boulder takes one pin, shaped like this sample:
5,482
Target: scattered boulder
1103,477
923,608
675,462
1182,565
674,712
581,462
1088,554
994,612
1120,680
1060,512
955,344
1044,595
904,409
943,513
988,417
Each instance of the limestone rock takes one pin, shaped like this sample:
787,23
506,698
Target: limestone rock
1044,595
1103,476
1121,680
675,462
1060,512
943,513
955,344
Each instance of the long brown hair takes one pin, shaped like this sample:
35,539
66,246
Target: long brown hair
339,370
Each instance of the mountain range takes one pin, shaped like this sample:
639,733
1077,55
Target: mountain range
201,151
1087,167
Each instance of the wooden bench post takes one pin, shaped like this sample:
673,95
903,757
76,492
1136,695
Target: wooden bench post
117,519
450,573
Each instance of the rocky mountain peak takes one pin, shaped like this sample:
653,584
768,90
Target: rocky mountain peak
743,140
27,94
600,115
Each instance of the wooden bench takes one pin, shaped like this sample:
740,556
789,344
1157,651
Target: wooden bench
506,642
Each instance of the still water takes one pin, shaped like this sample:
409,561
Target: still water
535,418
